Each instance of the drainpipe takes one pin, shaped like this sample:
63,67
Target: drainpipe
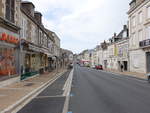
20,55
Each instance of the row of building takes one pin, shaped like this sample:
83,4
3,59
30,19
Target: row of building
129,49
26,46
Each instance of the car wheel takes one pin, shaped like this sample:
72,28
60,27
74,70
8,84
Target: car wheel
149,79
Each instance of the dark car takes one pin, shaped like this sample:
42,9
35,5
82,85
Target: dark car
99,67
148,77
70,66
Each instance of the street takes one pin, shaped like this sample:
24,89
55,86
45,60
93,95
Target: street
95,91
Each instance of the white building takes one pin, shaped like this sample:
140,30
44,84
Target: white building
122,46
139,33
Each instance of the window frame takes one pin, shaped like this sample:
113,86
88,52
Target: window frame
133,21
10,10
148,12
140,17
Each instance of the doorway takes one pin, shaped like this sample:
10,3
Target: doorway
125,63
148,61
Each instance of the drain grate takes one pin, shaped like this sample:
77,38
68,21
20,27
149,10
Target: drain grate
29,84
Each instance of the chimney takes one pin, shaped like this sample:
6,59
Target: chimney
124,27
139,1
115,35
28,7
38,17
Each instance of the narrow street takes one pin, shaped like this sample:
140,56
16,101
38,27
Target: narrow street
95,91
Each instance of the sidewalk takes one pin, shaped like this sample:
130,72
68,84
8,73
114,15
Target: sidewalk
11,94
133,74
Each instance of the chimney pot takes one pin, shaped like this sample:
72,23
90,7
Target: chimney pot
38,17
28,7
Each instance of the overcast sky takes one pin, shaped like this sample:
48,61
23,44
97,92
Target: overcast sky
82,24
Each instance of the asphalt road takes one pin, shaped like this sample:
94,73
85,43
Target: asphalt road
96,91
51,100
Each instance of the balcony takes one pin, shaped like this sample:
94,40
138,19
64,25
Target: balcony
144,43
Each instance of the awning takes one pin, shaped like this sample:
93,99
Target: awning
35,48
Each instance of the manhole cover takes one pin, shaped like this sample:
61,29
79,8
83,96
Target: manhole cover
29,84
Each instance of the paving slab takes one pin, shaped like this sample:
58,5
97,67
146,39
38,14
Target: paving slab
11,96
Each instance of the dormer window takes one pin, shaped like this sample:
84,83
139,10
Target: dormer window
125,34
132,3
10,10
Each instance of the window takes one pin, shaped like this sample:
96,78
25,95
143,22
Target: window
24,28
33,34
148,12
140,17
10,10
140,35
125,34
40,37
133,22
133,39
148,33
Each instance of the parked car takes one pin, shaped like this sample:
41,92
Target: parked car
93,67
70,66
99,67
148,77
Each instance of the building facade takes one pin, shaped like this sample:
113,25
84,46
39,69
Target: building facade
122,46
139,33
27,48
9,37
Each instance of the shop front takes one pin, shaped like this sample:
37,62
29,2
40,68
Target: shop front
9,52
31,60
35,60
44,61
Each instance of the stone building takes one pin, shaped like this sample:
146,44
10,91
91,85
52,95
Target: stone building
104,54
66,57
56,50
139,33
122,46
9,38
123,50
27,48
112,53
36,42
92,58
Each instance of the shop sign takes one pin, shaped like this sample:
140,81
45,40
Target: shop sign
8,38
34,48
144,43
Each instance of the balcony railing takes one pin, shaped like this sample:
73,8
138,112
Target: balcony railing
144,43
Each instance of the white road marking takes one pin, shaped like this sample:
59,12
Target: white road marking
67,92
40,97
